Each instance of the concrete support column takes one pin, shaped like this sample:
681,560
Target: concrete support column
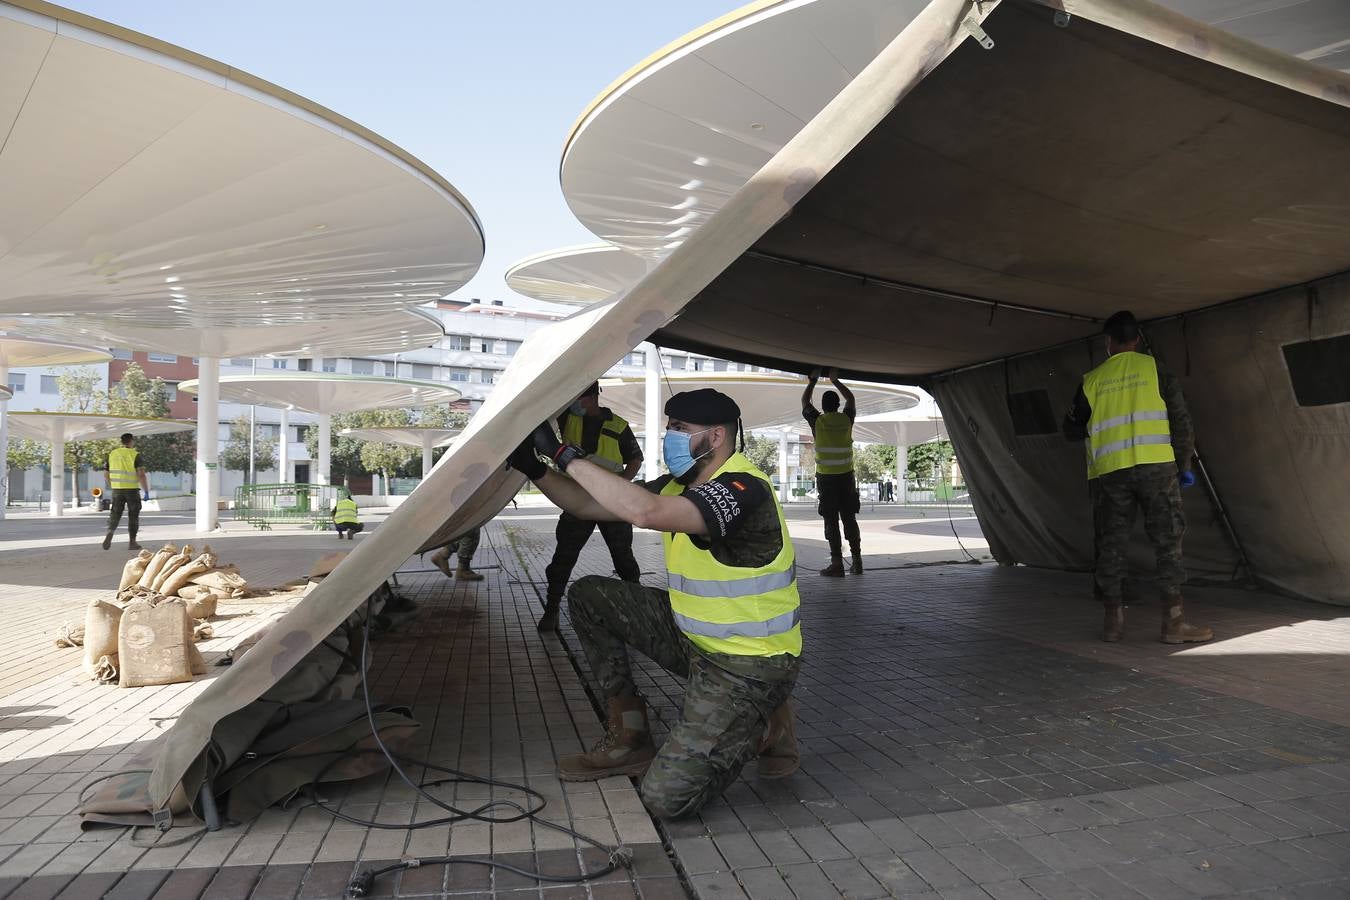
901,466
426,455
652,452
325,449
4,443
58,465
208,443
784,488
284,447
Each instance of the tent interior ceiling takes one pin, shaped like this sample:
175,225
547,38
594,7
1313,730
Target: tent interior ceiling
1021,177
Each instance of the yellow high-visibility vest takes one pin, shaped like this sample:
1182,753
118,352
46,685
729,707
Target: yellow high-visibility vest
607,452
1129,425
122,469
834,444
752,611
344,512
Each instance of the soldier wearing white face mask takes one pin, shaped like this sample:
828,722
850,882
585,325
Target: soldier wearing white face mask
728,622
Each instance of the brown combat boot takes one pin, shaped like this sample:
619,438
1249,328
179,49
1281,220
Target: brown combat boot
856,553
441,560
626,748
778,756
1175,630
1114,627
835,569
464,573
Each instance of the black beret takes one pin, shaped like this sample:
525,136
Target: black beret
703,407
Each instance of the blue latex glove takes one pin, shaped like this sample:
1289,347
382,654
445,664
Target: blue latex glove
1186,478
145,495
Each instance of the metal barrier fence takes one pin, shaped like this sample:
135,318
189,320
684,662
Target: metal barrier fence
265,505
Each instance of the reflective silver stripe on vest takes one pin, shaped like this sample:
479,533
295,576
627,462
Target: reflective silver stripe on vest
1151,415
741,587
1116,446
833,453
767,629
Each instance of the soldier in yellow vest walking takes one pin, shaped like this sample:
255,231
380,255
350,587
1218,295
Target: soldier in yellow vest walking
728,622
836,487
1140,447
612,445
123,474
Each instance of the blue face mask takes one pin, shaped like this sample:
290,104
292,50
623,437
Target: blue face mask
577,409
675,451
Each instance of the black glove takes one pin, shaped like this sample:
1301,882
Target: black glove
526,461
549,445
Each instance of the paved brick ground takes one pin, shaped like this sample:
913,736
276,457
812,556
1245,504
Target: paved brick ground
964,735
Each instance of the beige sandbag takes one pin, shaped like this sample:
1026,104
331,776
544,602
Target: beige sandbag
156,563
154,644
134,568
223,581
105,670
101,623
195,660
69,635
192,591
178,580
203,607
203,631
175,562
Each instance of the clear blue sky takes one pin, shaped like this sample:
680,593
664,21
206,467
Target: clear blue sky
484,92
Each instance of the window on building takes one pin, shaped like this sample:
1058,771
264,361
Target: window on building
171,391
423,371
161,357
49,385
17,381
719,365
122,354
696,364
306,365
637,358
456,342
244,361
512,348
489,376
363,367
279,364
679,362
459,374
302,431
330,365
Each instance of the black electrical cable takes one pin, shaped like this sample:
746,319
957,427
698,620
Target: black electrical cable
363,882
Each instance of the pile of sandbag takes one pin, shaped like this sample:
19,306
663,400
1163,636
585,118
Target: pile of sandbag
147,634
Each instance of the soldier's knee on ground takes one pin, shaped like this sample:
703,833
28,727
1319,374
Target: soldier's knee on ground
669,801
583,590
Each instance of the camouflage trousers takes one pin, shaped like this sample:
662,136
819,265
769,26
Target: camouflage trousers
1117,497
463,547
727,701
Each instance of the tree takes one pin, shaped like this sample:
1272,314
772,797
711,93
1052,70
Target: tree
873,462
140,397
387,459
235,454
345,452
930,463
441,417
80,392
763,452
